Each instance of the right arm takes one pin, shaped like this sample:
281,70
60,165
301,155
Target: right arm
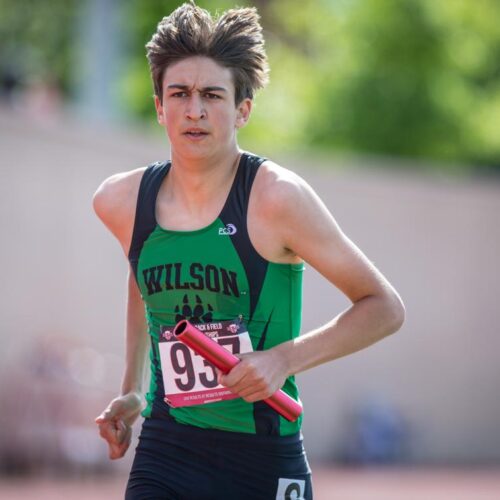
137,340
114,203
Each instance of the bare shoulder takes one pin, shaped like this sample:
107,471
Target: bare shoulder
281,194
114,203
117,190
279,201
279,189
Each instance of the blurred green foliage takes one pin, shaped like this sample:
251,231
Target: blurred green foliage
415,78
406,78
37,40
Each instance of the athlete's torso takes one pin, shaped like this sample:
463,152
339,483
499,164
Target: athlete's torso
212,275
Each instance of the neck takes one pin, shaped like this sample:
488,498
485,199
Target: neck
196,182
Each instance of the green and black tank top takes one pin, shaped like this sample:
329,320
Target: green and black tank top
209,275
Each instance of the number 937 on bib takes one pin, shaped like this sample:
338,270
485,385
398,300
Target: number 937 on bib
188,378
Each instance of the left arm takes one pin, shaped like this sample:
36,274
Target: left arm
307,229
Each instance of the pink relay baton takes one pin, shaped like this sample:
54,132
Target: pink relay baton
224,361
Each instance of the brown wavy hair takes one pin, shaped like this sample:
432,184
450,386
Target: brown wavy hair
234,40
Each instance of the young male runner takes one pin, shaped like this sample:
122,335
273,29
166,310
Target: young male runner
219,236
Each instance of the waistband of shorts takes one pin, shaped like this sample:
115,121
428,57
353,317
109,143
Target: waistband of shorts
170,429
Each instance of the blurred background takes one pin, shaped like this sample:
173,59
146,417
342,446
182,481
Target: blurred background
390,109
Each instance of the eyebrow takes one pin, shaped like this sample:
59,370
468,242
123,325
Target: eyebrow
210,88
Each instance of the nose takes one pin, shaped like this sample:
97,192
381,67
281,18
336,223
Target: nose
195,109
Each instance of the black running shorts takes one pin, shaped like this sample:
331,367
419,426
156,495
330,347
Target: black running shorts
181,462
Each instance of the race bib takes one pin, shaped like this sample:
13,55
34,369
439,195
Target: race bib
188,378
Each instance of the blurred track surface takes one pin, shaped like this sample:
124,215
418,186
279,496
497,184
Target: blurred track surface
329,484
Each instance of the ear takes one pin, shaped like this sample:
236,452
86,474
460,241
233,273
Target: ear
243,111
159,110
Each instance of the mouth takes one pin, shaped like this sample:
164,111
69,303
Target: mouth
195,133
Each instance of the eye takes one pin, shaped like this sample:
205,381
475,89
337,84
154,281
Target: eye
179,94
210,95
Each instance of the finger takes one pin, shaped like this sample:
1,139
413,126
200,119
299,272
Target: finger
253,391
246,392
121,431
106,415
243,389
113,431
119,450
108,432
236,375
116,451
249,384
105,428
101,419
255,396
231,383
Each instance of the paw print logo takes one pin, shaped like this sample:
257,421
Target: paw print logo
196,314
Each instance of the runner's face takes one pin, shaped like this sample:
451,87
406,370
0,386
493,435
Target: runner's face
198,109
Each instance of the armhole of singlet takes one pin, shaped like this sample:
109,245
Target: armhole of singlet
145,220
235,212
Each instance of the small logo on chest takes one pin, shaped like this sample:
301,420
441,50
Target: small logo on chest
229,230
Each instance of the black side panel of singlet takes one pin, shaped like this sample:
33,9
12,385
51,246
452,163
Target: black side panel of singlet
267,420
144,225
235,212
145,220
